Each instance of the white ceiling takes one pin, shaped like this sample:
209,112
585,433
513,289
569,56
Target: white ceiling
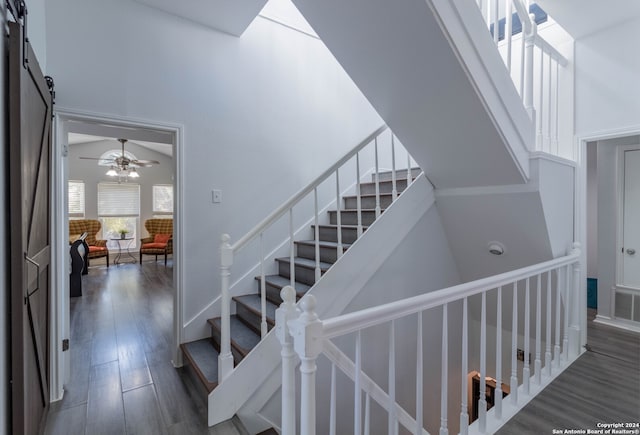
583,17
230,16
163,148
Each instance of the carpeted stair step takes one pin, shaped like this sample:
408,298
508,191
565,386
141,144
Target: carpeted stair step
203,359
401,174
274,284
385,187
328,250
329,233
305,269
367,201
248,308
243,337
350,217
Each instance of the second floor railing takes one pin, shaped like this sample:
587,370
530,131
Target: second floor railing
543,320
534,64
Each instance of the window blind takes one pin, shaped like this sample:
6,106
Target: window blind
116,199
76,198
163,198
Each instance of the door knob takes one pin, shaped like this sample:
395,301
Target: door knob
631,251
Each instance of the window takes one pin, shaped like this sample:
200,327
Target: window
76,199
162,200
119,209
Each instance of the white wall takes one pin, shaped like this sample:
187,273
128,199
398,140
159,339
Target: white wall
92,174
592,210
263,114
607,85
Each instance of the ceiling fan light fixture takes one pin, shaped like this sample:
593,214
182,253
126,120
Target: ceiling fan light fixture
133,173
112,172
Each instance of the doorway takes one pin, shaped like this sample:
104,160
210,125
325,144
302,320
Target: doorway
75,124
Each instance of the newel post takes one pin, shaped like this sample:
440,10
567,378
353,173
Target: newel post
285,313
307,342
576,304
529,43
225,359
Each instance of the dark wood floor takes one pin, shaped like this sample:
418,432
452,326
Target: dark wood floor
602,386
122,378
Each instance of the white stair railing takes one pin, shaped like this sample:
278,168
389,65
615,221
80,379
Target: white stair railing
534,65
228,250
557,281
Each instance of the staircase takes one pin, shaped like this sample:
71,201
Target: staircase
202,355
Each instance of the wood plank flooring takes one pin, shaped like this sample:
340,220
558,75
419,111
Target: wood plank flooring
602,386
122,378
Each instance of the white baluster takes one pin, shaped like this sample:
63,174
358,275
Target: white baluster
557,113
464,414
367,414
522,68
514,346
529,44
547,350
285,313
526,371
358,199
444,386
338,214
292,249
419,378
496,21
263,292
225,359
498,395
357,393
489,4
377,178
508,30
556,347
394,189
482,401
306,331
317,234
332,412
579,303
409,177
539,137
538,363
565,337
549,106
393,419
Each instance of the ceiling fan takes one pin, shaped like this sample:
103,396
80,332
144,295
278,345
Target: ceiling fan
123,165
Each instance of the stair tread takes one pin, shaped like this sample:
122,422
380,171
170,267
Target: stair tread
323,244
280,282
204,359
350,227
369,195
305,262
253,303
243,337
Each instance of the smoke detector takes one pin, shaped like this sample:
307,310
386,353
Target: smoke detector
496,248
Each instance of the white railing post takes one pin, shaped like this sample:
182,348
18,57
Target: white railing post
464,413
393,418
538,362
263,292
565,330
285,313
318,272
514,346
358,197
306,331
482,401
444,386
377,177
526,371
556,347
292,250
225,359
547,348
574,328
419,378
529,43
394,189
498,397
339,248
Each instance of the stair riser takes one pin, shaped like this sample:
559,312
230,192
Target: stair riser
367,202
327,254
215,334
303,274
400,174
349,235
249,317
350,217
385,187
273,292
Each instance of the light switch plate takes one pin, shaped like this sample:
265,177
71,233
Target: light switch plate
216,196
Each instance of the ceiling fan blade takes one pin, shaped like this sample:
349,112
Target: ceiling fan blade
145,162
94,158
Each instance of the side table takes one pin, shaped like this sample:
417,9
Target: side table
123,249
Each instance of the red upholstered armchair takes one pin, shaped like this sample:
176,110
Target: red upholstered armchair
160,240
97,247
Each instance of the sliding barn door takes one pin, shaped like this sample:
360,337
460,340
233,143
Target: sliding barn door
30,236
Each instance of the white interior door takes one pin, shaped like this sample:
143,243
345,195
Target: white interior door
631,220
